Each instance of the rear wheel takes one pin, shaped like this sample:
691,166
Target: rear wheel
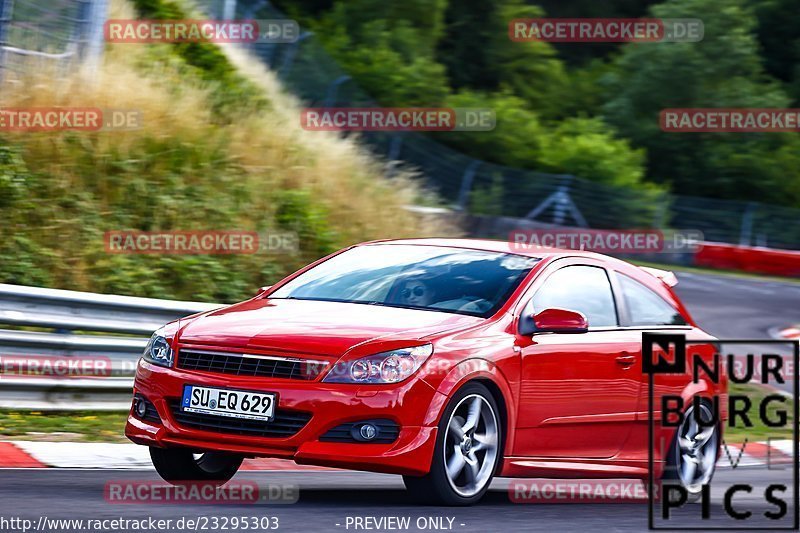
467,452
692,456
179,465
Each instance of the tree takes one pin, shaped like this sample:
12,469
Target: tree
779,36
388,50
723,70
479,55
585,147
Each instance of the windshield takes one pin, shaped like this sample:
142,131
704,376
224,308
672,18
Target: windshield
454,280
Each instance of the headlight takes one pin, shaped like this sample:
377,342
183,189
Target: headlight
158,350
385,367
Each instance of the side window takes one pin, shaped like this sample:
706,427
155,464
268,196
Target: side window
579,288
645,307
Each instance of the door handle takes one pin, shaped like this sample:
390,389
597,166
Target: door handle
626,359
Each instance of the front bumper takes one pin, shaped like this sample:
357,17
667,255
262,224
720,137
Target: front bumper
329,405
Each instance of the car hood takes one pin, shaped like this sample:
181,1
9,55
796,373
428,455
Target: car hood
314,327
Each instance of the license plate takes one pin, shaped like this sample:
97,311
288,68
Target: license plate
230,403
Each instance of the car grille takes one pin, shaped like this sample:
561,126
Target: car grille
249,365
285,424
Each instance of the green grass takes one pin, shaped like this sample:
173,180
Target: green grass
73,426
759,431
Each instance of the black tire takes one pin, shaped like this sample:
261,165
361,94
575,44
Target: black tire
179,465
435,487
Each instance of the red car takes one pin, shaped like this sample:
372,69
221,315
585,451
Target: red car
445,361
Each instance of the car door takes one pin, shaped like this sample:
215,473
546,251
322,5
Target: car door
578,391
643,310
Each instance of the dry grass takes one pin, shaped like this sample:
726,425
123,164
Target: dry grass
338,170
269,147
187,168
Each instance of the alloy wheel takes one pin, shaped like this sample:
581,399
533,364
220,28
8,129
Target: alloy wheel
696,449
470,447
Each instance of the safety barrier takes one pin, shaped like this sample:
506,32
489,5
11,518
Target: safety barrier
78,325
749,259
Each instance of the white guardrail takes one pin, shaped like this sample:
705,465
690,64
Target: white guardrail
80,325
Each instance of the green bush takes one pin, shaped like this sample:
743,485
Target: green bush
13,176
232,92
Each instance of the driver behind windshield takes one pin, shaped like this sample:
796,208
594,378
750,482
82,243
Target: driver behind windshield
416,293
419,293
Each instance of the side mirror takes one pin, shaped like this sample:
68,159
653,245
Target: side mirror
555,320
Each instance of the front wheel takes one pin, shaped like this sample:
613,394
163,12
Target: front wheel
467,452
179,465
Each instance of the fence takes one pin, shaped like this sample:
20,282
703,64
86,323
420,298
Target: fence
62,31
310,73
114,328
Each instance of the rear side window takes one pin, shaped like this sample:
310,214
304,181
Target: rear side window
645,307
579,288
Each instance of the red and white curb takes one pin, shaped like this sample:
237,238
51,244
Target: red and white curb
771,452
790,333
36,454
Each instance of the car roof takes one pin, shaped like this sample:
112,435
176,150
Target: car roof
488,245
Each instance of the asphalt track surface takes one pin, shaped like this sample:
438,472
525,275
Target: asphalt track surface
739,308
727,307
328,499
732,307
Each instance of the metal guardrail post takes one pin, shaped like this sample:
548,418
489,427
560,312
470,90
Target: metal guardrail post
331,94
288,59
6,11
264,51
395,145
746,234
562,201
466,185
562,205
94,37
80,30
660,219
228,9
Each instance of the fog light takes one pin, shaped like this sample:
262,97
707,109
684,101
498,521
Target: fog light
140,408
368,431
372,431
